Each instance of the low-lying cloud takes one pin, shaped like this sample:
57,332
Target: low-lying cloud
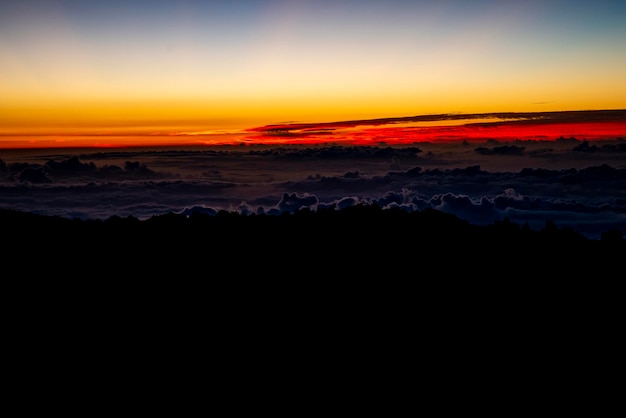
571,182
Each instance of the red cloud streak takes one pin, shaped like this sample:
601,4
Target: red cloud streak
583,125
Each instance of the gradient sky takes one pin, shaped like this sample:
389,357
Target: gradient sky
103,72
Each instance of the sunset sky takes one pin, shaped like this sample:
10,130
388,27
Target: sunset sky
76,73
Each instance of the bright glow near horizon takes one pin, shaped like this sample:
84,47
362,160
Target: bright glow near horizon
150,68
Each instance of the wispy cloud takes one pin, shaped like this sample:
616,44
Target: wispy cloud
452,127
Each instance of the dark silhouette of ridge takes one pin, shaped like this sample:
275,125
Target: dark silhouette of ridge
361,220
361,238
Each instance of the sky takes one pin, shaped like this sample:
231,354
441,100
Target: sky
107,73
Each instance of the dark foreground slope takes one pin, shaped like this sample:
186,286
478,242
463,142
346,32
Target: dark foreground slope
356,278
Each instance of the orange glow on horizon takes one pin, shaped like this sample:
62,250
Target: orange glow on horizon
582,125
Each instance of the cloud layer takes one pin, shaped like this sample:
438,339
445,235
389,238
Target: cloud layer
570,182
